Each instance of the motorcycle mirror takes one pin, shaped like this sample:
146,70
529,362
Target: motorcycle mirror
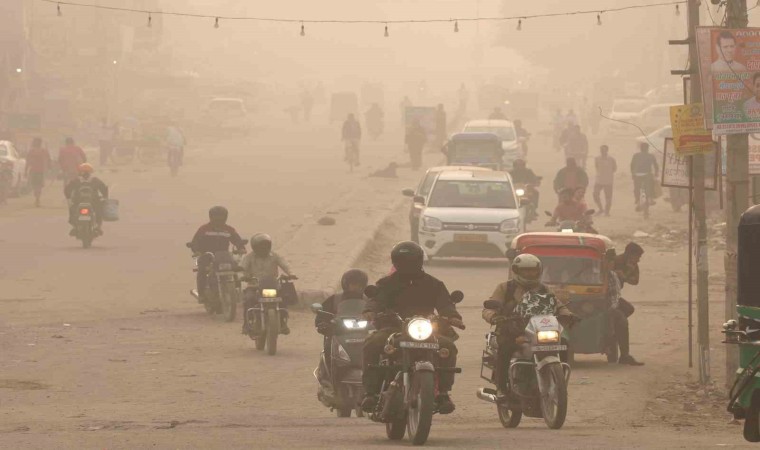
457,296
492,304
590,212
408,192
370,291
316,307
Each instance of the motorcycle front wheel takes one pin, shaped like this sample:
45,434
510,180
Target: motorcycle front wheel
554,395
228,301
509,417
396,429
421,407
273,330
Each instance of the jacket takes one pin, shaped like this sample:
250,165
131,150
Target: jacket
570,178
421,295
73,189
213,238
264,268
510,293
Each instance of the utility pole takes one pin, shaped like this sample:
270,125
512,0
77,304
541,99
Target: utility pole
737,195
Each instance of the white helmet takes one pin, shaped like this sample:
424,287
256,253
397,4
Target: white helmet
526,270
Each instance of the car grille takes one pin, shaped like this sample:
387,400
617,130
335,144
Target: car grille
470,226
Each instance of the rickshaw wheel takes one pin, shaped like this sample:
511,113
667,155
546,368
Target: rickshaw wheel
752,420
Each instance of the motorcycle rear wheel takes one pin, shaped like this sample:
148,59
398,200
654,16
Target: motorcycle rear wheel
420,414
273,330
751,430
85,235
509,418
554,398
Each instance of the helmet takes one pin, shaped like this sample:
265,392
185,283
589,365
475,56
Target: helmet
261,244
354,276
85,168
218,215
407,258
526,270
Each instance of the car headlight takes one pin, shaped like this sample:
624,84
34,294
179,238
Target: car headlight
343,354
547,337
520,192
419,329
431,224
353,324
509,226
269,293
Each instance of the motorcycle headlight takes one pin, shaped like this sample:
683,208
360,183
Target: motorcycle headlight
548,337
343,354
353,324
510,226
269,293
419,329
431,224
520,192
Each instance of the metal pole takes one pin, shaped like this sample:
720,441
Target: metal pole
737,187
691,264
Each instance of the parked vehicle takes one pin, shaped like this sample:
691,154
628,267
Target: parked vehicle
223,286
419,194
407,399
538,378
475,149
624,111
653,117
9,156
505,130
576,268
344,365
265,316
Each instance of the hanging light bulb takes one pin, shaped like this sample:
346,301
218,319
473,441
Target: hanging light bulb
456,26
519,25
150,20
59,10
678,10
216,23
386,30
599,18
303,30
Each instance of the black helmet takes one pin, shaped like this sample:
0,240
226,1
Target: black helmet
354,276
261,244
218,215
407,257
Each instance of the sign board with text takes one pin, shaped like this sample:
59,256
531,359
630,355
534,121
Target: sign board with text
690,136
675,168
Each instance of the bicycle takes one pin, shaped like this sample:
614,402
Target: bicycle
645,196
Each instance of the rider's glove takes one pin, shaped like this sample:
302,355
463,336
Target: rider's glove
456,323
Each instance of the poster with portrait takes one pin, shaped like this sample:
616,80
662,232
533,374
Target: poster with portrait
729,64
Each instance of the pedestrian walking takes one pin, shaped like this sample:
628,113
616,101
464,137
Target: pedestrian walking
37,163
416,137
606,166
70,156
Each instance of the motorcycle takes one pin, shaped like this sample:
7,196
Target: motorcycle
537,376
528,194
584,225
343,368
264,317
408,393
223,285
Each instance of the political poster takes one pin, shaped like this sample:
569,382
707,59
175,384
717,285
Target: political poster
729,64
690,136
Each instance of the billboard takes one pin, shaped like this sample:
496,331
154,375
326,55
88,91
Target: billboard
689,133
729,64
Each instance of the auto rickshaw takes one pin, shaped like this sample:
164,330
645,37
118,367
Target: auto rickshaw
745,332
576,268
474,149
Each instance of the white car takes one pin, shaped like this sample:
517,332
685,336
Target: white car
470,213
505,129
653,117
8,153
624,110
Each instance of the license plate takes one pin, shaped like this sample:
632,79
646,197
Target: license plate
354,341
470,238
270,300
425,345
85,218
549,348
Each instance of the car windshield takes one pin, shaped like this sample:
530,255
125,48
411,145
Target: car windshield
628,106
226,106
571,270
504,133
472,194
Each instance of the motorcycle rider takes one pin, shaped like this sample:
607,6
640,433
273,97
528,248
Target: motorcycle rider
408,291
215,236
525,280
568,208
522,175
264,264
353,283
626,267
522,133
351,134
75,194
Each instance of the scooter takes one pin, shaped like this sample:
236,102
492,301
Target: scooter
537,376
265,316
340,381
